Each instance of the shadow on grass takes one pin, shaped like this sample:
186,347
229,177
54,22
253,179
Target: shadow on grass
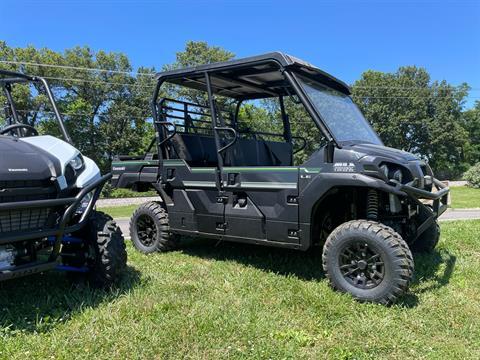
40,302
432,271
286,262
308,265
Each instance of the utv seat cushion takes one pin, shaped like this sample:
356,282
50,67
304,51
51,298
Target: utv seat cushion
249,152
200,150
196,150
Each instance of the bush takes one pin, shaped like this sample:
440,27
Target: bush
109,192
472,176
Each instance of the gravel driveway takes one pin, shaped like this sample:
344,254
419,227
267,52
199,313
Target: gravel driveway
125,201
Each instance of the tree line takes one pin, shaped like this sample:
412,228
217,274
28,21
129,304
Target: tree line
106,104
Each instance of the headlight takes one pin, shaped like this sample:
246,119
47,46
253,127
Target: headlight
77,162
384,169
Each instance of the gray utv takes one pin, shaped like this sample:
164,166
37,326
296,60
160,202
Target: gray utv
48,191
365,204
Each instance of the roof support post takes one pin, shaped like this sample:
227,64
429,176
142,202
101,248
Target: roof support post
159,131
63,129
7,90
213,111
287,132
309,107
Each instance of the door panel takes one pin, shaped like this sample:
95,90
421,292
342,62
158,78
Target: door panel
208,211
196,206
262,203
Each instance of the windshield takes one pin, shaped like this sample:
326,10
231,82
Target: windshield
340,114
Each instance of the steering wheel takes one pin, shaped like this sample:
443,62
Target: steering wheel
30,129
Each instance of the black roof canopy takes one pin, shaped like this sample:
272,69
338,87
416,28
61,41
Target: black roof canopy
250,78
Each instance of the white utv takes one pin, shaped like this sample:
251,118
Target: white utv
48,191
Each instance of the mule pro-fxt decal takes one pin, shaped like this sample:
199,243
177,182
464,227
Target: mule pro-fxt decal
344,167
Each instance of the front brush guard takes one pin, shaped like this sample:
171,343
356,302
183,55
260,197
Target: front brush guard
55,235
439,201
439,198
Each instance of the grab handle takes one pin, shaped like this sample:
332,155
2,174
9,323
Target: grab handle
166,124
230,144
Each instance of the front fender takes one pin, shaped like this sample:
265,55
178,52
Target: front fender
321,184
314,190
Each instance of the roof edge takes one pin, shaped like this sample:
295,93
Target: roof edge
284,60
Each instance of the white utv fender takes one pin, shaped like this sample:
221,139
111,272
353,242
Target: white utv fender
65,153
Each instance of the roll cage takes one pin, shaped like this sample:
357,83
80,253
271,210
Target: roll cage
273,75
9,78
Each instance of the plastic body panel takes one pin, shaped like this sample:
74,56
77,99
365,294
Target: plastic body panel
64,152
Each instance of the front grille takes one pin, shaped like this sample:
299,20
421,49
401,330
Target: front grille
24,183
29,219
25,220
27,190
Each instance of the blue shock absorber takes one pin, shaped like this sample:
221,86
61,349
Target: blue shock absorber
82,269
69,240
66,240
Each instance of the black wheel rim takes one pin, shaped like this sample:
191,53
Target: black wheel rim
146,230
361,265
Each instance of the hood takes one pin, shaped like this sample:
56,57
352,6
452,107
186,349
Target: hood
63,151
382,151
20,160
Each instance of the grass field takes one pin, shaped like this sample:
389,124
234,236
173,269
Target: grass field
465,197
211,300
119,211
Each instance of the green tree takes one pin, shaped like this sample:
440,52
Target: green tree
471,123
196,53
413,113
104,106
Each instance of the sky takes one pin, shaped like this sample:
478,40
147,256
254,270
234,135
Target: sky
344,38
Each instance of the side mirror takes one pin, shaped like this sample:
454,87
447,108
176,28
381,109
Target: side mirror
329,152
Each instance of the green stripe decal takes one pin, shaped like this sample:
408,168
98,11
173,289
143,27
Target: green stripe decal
202,170
311,170
254,169
267,185
212,169
196,184
135,162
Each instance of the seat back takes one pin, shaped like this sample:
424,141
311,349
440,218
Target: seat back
251,152
200,150
196,150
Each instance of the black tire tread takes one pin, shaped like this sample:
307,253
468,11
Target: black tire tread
401,251
112,253
166,240
428,241
102,235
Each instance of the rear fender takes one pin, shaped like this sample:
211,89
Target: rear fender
126,173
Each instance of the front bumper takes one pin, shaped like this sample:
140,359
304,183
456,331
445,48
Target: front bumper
63,227
439,198
427,215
